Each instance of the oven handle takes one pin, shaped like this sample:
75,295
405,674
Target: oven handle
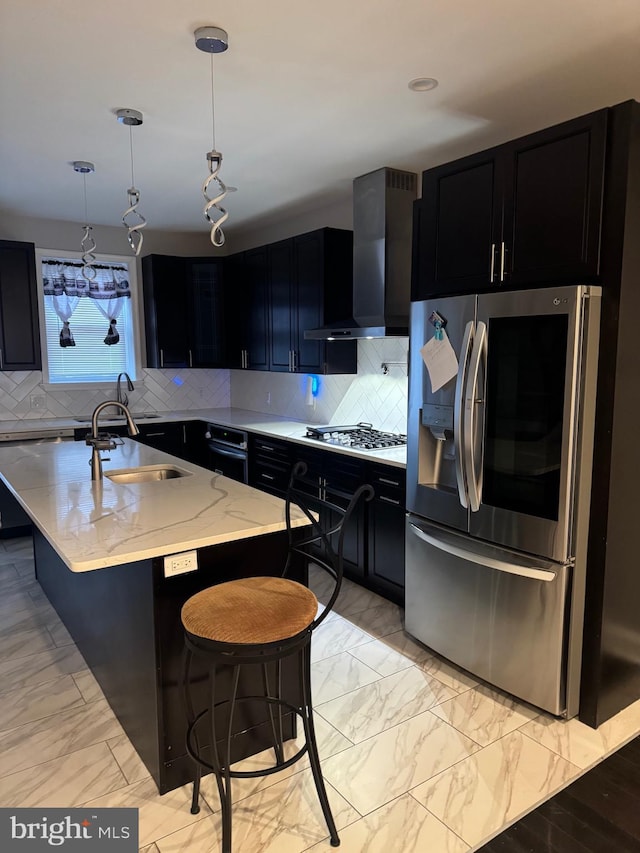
232,454
444,544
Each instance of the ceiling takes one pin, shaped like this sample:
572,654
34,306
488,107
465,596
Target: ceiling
308,96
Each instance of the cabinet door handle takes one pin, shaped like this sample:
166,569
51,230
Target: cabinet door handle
154,434
493,262
294,358
388,482
267,477
184,434
502,251
190,359
388,500
161,358
1,360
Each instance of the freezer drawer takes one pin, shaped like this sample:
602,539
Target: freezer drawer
500,615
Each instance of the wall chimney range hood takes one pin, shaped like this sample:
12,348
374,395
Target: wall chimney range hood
382,233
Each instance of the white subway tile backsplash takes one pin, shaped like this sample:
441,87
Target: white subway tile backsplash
368,396
155,390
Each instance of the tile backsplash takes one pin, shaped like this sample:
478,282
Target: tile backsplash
371,395
22,395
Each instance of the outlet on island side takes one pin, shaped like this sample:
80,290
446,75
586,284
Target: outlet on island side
179,564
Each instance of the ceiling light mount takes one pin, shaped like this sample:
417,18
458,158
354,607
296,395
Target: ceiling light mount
129,117
211,39
422,84
83,166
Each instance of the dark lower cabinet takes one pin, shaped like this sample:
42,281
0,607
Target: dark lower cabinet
386,530
14,521
19,326
270,463
184,439
168,437
374,537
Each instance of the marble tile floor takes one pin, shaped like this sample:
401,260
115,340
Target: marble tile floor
418,756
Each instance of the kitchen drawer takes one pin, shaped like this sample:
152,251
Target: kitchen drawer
269,464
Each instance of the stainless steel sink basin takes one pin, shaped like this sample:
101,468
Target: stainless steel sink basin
146,474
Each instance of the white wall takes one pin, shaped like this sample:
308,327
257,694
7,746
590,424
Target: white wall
338,215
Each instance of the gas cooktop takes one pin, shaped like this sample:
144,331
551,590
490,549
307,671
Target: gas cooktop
361,436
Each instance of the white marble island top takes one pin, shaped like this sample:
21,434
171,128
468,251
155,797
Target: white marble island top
97,524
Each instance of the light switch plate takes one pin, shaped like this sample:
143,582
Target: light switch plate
179,564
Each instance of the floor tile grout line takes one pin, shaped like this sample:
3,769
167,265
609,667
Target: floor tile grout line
440,821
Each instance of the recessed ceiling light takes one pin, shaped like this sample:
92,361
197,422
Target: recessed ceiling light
422,84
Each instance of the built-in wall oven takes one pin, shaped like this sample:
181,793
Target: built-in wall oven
227,452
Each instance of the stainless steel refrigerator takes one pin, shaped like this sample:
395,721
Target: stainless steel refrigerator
498,485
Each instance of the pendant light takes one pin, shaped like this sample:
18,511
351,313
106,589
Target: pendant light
87,243
213,40
132,219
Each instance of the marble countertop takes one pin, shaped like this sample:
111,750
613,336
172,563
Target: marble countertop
97,524
258,422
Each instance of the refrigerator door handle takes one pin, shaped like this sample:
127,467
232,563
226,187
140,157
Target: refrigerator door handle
528,570
471,403
458,410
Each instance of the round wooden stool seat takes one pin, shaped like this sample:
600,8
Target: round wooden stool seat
250,610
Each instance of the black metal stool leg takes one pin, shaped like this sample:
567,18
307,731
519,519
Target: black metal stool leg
310,735
187,657
222,771
277,732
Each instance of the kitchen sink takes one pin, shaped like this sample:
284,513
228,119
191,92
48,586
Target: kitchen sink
146,474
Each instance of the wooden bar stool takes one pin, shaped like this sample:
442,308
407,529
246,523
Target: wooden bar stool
263,621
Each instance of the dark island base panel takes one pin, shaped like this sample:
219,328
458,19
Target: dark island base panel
126,622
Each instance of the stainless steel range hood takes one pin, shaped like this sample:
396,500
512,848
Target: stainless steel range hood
382,230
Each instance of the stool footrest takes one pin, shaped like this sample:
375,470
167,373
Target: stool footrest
246,774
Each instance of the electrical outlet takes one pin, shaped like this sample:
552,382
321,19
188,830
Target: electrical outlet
38,402
179,564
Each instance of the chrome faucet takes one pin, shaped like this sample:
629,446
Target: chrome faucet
103,441
120,397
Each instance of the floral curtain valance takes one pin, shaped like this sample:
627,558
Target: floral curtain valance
60,278
64,285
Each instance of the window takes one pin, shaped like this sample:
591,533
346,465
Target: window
88,328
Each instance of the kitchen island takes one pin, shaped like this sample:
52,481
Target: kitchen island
103,552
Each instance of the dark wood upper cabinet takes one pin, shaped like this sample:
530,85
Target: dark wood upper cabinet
246,309
19,326
277,291
184,311
524,213
282,305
